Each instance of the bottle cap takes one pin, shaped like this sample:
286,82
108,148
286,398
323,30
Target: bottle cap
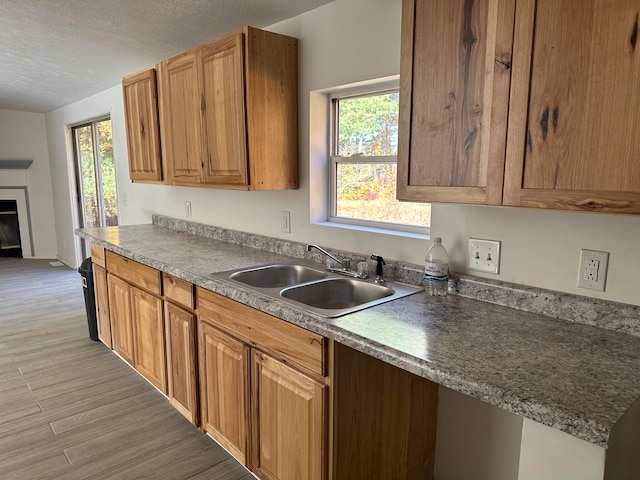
437,240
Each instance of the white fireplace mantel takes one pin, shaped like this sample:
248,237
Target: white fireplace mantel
15,164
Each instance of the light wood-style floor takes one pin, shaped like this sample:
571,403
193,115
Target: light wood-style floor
70,408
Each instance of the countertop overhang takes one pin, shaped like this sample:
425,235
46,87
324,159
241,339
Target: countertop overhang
576,378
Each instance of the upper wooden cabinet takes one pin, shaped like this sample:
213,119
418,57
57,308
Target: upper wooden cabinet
573,138
143,135
228,113
563,76
454,97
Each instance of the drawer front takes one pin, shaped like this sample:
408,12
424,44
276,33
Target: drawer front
135,273
97,255
178,291
293,344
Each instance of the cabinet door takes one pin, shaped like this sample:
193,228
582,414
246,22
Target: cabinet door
102,304
141,117
181,361
288,413
574,118
148,331
454,97
180,117
121,320
222,72
224,377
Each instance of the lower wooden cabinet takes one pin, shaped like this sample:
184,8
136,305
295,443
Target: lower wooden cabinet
121,320
305,407
288,419
102,304
148,337
268,414
224,377
286,402
138,329
182,362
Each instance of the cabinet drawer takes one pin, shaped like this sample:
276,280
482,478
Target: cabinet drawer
289,342
135,273
178,291
97,255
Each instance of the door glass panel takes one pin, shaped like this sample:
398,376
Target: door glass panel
97,194
108,173
89,201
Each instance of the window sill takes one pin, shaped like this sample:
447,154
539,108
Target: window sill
382,231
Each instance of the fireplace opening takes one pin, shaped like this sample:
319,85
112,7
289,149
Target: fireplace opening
10,245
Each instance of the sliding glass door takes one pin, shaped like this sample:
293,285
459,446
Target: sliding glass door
96,176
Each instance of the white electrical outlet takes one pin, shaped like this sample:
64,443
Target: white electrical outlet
187,209
285,222
484,255
593,269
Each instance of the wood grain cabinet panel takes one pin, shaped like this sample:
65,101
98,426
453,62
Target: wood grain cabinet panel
148,334
178,291
135,273
102,304
301,348
384,419
98,255
140,97
574,117
222,66
454,96
182,367
288,418
228,113
121,317
180,110
224,374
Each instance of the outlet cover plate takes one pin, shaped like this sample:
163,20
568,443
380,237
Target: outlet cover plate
593,269
285,221
484,255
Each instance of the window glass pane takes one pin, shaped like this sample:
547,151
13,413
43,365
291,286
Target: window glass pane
368,125
367,191
87,166
108,172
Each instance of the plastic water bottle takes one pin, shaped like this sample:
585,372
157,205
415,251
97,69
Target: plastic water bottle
436,269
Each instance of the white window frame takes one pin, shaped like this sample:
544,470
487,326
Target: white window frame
334,159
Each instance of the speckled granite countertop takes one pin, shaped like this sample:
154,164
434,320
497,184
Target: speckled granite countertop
573,377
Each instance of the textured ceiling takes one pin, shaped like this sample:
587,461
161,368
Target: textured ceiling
56,52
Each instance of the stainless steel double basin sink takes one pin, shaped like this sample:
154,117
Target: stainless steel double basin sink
320,292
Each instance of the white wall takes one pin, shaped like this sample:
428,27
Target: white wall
549,454
476,440
344,42
23,137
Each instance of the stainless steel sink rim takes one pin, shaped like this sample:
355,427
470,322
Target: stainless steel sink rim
399,290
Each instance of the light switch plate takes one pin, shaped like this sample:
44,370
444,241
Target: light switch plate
484,255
